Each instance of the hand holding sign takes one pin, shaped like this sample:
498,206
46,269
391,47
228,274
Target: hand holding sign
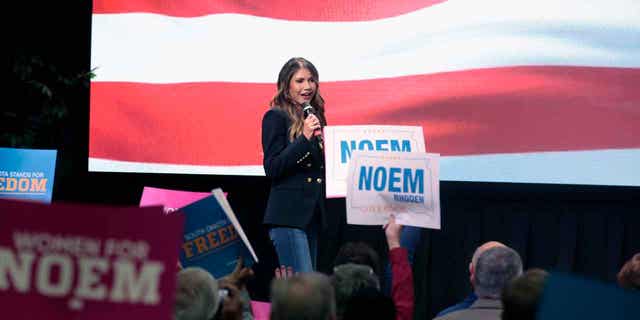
392,231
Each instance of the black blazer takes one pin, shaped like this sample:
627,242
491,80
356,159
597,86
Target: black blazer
296,170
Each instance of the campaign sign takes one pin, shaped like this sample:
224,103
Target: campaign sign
66,261
27,174
342,141
403,184
213,238
171,200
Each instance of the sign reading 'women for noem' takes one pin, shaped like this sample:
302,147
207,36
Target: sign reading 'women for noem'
87,262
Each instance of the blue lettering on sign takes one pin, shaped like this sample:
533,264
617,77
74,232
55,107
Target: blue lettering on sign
393,178
381,178
408,198
410,182
346,147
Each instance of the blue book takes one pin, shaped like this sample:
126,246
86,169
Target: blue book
213,238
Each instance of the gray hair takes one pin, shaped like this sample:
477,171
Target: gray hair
305,296
348,279
196,295
494,268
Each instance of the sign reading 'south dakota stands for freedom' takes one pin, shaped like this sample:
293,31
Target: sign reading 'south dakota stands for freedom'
342,141
27,174
400,183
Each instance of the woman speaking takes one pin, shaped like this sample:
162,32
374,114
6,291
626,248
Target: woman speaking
294,161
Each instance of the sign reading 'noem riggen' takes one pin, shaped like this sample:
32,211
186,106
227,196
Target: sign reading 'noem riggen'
403,184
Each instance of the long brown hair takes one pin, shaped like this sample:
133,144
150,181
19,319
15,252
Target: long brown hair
283,102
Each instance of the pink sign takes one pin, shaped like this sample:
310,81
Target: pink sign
261,310
65,261
172,200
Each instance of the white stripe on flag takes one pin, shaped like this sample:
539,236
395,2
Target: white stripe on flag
617,167
451,36
106,165
611,167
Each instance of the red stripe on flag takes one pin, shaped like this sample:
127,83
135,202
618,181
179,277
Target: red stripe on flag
499,110
336,10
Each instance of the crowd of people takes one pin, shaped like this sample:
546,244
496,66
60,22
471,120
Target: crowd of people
361,286
501,288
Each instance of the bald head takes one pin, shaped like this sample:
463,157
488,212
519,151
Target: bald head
484,247
494,269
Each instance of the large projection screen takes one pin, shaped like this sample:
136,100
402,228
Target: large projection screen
541,91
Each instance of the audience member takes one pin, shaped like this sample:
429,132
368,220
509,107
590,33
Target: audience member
629,275
369,303
402,280
307,296
401,272
471,298
521,296
359,253
197,295
493,269
410,238
232,305
284,272
348,279
236,285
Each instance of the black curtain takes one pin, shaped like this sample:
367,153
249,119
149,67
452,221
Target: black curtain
585,230
589,238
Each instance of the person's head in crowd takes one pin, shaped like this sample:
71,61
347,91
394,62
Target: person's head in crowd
494,268
298,83
196,295
350,278
629,275
521,296
369,303
482,248
306,296
358,253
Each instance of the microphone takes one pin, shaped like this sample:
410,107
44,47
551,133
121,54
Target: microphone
307,109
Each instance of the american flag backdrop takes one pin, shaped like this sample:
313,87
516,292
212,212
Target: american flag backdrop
516,91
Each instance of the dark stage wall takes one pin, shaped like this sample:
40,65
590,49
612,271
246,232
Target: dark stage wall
581,229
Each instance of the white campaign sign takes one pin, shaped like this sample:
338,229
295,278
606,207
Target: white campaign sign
341,141
405,184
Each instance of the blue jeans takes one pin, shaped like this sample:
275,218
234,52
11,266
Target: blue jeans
296,247
409,239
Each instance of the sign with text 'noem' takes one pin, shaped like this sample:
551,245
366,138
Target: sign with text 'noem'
342,141
403,184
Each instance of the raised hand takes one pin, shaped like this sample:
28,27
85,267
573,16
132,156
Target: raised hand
392,231
284,272
240,275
